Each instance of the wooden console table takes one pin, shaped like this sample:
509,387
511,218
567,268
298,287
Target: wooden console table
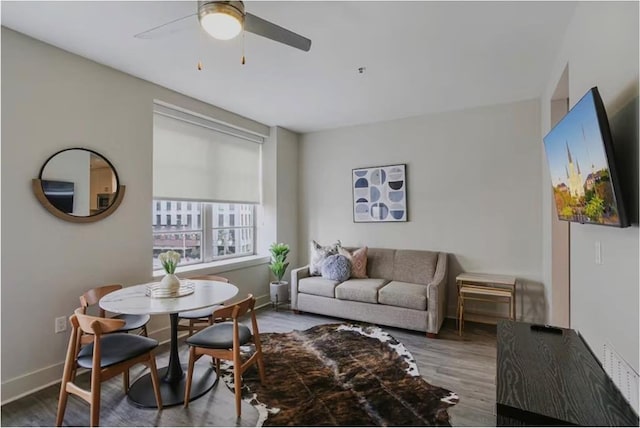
485,287
550,377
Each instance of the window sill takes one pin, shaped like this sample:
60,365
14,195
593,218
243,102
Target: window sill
218,266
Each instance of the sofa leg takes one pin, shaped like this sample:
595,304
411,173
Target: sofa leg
432,335
297,312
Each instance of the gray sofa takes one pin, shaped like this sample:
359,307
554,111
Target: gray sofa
405,288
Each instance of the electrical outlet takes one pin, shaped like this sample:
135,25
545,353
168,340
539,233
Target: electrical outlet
60,324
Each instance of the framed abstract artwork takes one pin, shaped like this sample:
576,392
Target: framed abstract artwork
380,194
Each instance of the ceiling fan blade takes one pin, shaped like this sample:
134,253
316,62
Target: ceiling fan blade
168,28
259,26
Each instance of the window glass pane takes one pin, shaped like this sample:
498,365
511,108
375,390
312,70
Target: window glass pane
183,236
231,233
188,244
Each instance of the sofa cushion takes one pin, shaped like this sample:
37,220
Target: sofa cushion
417,267
380,263
404,294
358,259
360,290
317,254
318,286
336,267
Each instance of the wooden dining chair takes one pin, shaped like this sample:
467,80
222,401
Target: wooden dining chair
131,322
199,318
107,355
222,341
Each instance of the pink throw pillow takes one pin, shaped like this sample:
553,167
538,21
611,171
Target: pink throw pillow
358,261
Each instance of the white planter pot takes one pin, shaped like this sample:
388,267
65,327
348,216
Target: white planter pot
279,292
170,282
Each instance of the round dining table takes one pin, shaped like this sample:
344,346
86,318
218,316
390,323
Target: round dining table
134,300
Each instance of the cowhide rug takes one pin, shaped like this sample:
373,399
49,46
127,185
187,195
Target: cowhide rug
341,374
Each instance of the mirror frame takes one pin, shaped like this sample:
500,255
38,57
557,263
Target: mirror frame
36,185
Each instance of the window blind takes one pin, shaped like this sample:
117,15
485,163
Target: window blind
199,160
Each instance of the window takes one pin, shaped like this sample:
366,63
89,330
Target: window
215,162
213,240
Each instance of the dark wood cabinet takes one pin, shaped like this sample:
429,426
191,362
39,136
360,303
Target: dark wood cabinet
552,378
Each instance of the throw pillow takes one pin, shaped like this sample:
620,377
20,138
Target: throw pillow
358,259
317,254
336,268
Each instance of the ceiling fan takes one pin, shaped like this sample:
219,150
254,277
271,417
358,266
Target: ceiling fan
224,20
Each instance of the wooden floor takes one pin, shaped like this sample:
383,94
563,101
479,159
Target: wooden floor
465,365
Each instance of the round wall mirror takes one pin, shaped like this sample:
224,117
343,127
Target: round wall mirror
78,185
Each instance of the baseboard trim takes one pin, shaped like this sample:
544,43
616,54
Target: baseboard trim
262,301
37,380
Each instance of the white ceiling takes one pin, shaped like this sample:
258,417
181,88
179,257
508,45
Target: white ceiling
420,57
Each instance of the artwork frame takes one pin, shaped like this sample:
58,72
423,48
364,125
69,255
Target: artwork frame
379,194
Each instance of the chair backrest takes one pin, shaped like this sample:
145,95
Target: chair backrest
93,296
237,309
85,327
89,324
210,278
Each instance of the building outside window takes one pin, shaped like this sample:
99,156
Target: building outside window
217,238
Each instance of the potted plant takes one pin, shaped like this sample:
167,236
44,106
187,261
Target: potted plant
279,289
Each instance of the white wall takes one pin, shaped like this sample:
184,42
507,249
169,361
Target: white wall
51,100
287,194
473,191
601,49
280,193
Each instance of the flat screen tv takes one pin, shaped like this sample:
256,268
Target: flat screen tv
60,194
581,162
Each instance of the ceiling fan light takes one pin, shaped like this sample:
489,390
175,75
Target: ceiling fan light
221,20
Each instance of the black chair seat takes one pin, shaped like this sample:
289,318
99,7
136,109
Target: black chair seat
116,348
198,313
219,336
132,322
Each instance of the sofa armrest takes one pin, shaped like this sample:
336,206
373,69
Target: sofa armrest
297,275
437,296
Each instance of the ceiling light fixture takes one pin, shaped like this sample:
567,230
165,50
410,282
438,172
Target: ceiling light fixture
222,20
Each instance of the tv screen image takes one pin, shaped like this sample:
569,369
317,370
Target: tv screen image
60,194
579,152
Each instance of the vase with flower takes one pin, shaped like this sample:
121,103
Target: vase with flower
169,261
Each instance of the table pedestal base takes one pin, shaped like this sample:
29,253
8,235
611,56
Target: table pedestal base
141,392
